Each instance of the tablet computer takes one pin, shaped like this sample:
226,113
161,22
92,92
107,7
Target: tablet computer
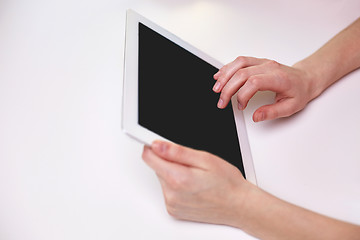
167,94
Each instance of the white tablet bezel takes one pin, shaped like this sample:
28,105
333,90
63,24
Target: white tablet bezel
130,89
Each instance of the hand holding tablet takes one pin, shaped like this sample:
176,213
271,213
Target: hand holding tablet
168,95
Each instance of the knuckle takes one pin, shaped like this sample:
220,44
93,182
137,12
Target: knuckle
241,75
273,64
254,80
225,95
240,98
241,60
288,112
221,75
224,72
224,78
294,108
223,68
177,182
271,112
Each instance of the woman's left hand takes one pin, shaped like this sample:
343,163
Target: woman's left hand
197,185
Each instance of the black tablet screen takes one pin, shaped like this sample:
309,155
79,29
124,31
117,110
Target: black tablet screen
176,99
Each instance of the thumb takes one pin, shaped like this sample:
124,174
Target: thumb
179,154
283,108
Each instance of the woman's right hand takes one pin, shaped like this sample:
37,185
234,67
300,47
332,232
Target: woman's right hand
294,87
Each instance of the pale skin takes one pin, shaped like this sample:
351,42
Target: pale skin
294,86
201,187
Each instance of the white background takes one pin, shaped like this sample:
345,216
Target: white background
68,172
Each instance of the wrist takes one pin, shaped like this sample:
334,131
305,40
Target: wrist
241,209
316,79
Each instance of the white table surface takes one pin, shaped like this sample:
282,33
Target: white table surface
68,172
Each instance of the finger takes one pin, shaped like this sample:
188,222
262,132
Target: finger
163,168
279,109
216,75
261,82
227,71
238,80
179,154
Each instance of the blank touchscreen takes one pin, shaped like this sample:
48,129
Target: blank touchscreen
176,99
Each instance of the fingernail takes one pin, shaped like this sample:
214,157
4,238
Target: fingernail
216,87
220,103
159,146
261,117
240,106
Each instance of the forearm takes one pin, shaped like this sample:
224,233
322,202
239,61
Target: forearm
267,217
338,57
